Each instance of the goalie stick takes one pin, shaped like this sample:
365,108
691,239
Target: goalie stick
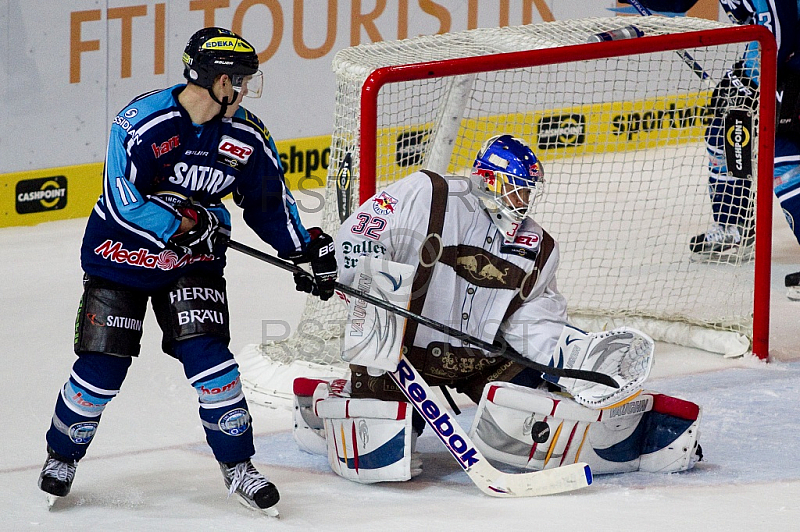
485,476
498,350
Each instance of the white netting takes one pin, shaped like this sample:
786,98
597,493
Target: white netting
626,167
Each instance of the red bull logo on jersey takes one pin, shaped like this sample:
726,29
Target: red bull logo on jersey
384,204
143,258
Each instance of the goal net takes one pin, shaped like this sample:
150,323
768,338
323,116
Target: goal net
620,128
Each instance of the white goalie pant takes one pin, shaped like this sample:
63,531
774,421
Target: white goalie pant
535,429
366,440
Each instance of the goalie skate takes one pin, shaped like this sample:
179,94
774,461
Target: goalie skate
253,489
723,243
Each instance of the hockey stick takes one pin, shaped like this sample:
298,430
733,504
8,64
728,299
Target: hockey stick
489,480
687,58
499,350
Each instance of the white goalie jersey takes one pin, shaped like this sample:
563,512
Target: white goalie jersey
477,281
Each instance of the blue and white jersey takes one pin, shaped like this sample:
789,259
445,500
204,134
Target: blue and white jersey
782,19
157,157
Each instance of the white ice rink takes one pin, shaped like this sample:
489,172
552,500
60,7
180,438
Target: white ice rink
150,469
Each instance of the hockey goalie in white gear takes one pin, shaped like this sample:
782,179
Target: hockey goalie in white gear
535,429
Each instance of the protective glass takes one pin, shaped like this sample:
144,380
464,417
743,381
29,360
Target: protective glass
251,85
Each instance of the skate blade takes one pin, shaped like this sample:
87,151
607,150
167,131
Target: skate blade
722,257
793,293
51,500
272,511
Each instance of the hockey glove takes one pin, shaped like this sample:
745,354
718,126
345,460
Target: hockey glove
320,253
734,90
198,240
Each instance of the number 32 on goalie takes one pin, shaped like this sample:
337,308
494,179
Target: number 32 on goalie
369,226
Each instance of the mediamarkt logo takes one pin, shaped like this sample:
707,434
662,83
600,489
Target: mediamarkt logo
165,260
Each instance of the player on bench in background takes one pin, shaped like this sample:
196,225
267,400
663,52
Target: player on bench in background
485,267
159,233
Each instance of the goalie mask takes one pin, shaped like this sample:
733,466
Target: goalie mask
212,52
508,179
739,11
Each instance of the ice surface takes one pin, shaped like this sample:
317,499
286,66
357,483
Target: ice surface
150,469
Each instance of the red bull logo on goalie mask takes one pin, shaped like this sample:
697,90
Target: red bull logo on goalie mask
440,421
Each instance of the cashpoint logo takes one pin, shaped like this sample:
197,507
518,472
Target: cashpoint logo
560,131
41,194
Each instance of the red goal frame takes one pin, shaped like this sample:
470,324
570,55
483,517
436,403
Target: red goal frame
567,54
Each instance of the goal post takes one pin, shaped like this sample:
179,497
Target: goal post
620,127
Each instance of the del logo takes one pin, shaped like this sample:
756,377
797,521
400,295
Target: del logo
384,204
142,258
231,147
42,194
529,240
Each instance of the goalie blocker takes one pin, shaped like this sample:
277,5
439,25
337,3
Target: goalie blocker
535,429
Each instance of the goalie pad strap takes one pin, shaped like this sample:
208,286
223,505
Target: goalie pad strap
429,252
346,408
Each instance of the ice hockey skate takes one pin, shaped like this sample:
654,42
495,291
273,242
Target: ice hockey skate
56,476
723,243
253,488
792,283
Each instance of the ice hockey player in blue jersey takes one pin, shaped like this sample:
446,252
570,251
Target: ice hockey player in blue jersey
158,232
730,193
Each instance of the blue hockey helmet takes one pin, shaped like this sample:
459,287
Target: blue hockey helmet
211,52
739,11
508,179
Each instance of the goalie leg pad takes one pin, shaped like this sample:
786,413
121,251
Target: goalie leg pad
671,435
537,430
368,440
309,429
530,428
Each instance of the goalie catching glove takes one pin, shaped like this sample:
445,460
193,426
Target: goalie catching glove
320,253
199,239
624,354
